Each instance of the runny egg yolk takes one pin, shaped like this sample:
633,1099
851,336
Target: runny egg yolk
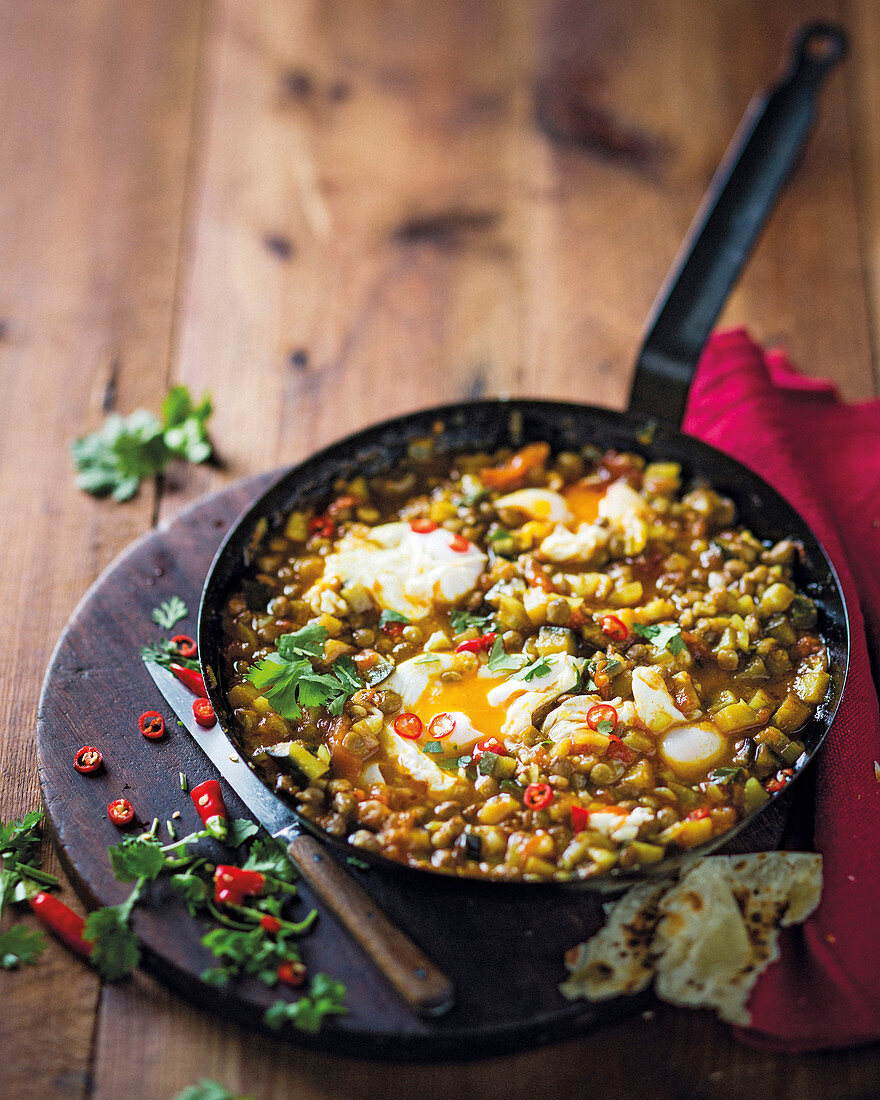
467,695
583,502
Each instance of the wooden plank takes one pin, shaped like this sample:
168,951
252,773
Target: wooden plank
91,199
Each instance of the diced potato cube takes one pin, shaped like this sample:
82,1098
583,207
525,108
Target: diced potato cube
555,639
810,687
792,714
603,858
736,716
297,528
776,598
640,852
241,695
497,809
688,834
754,795
627,595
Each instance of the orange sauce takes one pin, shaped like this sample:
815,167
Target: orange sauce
467,695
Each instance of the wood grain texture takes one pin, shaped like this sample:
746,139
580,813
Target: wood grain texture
92,176
372,219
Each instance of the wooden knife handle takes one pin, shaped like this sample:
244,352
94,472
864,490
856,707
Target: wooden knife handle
412,974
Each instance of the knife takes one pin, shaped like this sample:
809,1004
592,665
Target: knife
418,981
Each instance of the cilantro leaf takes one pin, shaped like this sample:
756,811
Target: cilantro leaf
240,830
184,425
116,951
209,1090
391,617
136,857
164,653
540,667
308,641
460,621
269,857
290,682
326,997
606,727
663,635
124,451
169,613
20,946
726,775
501,661
19,837
192,889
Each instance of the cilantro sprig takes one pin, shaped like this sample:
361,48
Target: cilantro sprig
501,661
663,635
539,667
170,612
125,451
460,621
20,946
326,997
290,681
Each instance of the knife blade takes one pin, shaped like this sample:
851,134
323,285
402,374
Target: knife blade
421,984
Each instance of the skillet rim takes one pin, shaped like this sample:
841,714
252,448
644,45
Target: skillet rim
633,431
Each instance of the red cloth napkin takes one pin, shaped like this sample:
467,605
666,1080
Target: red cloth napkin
824,457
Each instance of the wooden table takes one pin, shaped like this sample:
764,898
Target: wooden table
326,213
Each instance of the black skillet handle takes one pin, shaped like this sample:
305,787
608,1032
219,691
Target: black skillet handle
742,193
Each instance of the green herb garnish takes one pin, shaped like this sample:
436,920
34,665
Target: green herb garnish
540,667
391,617
169,613
20,946
290,682
663,635
326,997
501,661
124,451
460,621
726,775
209,1090
432,746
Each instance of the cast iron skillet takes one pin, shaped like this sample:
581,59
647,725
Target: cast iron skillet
740,197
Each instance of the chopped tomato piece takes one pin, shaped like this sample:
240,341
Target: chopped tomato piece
514,473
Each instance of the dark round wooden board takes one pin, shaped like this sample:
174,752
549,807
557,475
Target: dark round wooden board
503,948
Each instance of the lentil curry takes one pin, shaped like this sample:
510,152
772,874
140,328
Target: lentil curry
523,666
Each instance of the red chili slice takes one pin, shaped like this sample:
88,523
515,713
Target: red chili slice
121,812
580,818
602,712
459,544
270,924
409,726
88,759
614,628
488,744
322,526
441,726
618,750
185,645
292,973
698,815
151,724
422,526
203,713
538,795
477,645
